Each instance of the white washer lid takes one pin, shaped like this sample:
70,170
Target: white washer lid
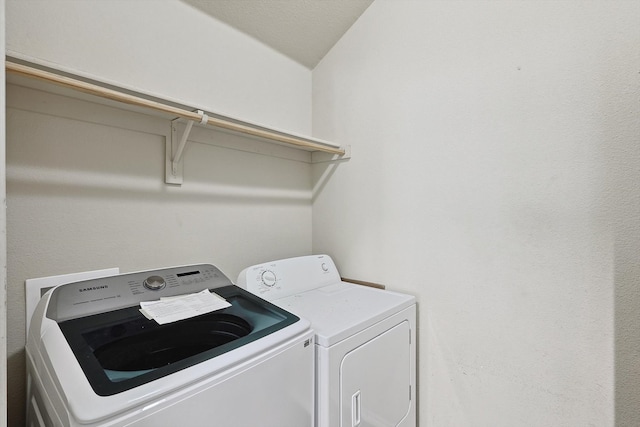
340,310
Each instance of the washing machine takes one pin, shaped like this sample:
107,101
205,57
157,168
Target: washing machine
93,359
365,340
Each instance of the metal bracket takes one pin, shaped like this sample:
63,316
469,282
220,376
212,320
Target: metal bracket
174,164
320,157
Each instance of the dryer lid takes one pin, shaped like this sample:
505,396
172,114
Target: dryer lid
340,310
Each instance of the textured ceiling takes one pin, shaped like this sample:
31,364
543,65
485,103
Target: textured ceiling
304,30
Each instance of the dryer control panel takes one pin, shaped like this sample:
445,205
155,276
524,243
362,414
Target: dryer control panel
282,278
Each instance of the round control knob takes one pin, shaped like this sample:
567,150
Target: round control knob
268,278
325,267
154,283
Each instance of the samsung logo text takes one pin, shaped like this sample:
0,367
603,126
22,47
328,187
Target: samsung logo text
93,288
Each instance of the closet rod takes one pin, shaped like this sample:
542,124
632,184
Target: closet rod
179,112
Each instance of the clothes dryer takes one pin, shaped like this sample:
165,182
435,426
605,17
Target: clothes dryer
365,340
94,360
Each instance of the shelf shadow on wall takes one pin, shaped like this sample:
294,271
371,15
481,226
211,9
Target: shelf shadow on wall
321,175
87,186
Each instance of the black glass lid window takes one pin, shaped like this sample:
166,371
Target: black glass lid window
130,349
122,349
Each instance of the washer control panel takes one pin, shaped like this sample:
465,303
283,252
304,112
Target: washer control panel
279,279
94,296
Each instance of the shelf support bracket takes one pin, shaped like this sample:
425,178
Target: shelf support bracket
320,157
174,153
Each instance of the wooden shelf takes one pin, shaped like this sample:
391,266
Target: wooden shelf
177,112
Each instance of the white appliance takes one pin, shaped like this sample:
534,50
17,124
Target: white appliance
94,360
365,340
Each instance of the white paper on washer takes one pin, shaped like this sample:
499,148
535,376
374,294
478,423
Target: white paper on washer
172,309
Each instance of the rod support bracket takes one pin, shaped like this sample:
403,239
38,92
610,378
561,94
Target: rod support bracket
175,152
321,157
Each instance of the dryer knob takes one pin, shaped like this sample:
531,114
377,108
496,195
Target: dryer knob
268,278
154,283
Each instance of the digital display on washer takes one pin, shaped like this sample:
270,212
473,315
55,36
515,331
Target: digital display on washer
122,349
189,273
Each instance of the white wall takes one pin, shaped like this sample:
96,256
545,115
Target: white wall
167,48
495,176
86,182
